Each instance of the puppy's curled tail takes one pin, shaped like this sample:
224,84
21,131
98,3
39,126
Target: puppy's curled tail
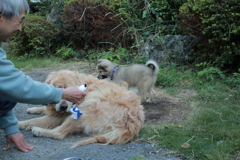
153,65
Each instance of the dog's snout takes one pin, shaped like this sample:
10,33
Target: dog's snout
63,106
102,77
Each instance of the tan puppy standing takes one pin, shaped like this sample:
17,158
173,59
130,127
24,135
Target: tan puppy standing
135,75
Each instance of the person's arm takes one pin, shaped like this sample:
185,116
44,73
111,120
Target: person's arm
8,123
18,87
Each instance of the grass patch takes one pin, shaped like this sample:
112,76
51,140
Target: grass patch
212,127
35,63
53,63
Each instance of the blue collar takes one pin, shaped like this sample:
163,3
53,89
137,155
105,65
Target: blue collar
114,70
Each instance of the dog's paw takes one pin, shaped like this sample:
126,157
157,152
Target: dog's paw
29,128
21,125
36,131
149,100
31,111
36,110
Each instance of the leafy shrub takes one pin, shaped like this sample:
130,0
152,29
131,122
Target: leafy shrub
217,25
37,38
234,80
209,72
119,56
66,52
143,19
90,25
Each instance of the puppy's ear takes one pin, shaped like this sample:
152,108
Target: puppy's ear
100,60
103,67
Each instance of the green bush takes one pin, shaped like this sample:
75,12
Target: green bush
90,25
106,24
143,19
37,38
119,56
66,53
217,25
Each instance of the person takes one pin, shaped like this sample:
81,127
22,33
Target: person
15,86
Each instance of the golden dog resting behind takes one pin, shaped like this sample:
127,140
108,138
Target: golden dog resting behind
111,114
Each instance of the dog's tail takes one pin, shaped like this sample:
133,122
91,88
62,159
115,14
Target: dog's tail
116,136
153,65
95,139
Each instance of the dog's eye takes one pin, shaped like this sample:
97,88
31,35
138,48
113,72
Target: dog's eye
100,72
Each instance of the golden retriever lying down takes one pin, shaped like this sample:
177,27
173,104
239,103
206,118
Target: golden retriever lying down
111,114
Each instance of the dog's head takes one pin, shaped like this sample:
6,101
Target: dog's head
64,79
104,68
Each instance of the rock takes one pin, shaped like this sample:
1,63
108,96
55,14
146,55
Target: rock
168,48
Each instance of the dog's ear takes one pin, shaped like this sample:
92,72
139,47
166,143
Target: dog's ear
103,67
100,60
48,81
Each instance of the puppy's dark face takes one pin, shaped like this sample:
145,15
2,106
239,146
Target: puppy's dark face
102,73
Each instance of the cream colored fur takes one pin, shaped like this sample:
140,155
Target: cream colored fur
143,77
111,114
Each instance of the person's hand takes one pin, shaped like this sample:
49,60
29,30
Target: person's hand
19,141
73,94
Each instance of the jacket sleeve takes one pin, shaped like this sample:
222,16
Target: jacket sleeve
16,86
8,123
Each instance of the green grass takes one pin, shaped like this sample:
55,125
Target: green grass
53,63
214,122
34,63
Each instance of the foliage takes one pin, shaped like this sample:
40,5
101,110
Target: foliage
217,25
66,52
90,25
142,19
119,56
37,38
234,80
209,72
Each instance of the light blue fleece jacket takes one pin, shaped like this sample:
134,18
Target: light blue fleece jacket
16,86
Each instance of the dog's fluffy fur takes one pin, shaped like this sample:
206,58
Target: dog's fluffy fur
135,75
111,114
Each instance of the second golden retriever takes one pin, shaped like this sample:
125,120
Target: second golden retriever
111,114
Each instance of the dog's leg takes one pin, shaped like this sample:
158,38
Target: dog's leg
122,83
151,95
143,87
43,122
60,132
142,93
36,110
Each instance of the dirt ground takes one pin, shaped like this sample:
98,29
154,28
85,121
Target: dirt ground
164,108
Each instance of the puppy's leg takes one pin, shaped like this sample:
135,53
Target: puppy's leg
143,87
60,132
122,83
43,122
36,110
151,95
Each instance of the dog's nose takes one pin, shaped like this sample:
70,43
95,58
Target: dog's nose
63,106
